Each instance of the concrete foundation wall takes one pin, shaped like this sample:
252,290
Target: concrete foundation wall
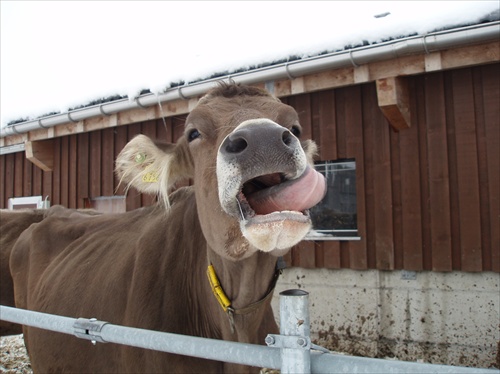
442,318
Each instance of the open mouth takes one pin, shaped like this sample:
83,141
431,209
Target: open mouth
274,197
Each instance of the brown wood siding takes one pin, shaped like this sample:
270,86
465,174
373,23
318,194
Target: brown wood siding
427,196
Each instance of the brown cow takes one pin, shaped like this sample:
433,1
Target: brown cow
13,223
253,183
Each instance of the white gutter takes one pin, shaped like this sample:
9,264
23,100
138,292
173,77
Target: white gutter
355,57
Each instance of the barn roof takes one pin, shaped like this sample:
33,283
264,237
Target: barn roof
486,28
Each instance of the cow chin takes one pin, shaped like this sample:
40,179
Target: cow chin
277,232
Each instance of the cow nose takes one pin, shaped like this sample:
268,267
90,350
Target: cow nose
258,136
287,138
235,144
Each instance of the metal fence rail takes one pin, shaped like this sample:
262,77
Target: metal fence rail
98,331
290,351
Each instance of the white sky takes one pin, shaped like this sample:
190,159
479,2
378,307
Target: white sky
55,55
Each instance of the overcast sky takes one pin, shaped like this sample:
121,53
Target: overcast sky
55,55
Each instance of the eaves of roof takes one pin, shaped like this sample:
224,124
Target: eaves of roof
432,42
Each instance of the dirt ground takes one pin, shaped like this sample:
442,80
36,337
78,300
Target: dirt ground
13,356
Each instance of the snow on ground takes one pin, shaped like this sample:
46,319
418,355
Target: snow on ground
58,55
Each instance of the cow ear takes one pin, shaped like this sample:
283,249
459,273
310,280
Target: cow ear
310,149
153,168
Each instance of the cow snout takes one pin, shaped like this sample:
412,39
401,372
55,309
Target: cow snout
257,140
257,151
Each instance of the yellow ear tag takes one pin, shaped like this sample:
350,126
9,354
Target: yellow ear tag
150,177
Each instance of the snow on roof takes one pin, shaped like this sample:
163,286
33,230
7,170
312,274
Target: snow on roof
61,55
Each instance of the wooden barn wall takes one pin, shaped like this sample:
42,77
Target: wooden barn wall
83,166
427,197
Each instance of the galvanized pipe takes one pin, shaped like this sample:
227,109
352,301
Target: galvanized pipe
211,349
294,323
245,354
336,363
35,319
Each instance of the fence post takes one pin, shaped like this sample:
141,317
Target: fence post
294,322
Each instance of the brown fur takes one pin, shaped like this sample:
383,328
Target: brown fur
147,268
13,224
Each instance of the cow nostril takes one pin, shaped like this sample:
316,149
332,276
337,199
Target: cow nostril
287,138
237,145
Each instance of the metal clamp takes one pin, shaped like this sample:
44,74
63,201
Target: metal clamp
89,329
288,341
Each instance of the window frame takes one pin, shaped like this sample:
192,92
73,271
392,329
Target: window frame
328,235
28,202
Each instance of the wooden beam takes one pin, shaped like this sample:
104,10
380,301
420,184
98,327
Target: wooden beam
41,153
393,99
466,56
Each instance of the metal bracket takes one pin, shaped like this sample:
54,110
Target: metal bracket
408,275
89,329
288,341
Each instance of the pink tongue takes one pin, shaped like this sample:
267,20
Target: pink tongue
297,195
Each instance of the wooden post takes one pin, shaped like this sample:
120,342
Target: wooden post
393,99
41,153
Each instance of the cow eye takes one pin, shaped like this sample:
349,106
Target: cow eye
295,131
193,134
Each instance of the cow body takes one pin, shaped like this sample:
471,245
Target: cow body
111,269
13,224
147,268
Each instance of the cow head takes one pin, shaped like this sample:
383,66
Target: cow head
253,177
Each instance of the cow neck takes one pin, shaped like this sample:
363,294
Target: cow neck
242,287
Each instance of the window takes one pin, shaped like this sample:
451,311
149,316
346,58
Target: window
29,202
335,217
